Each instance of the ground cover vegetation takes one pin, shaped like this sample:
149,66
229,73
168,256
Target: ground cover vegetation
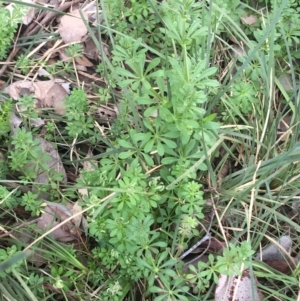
149,150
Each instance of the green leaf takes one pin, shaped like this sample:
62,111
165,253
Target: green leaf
124,72
160,148
169,160
210,117
148,125
149,146
211,125
146,84
160,244
148,112
152,65
124,143
158,73
148,159
198,33
155,289
145,100
208,72
209,83
144,137
170,272
169,143
126,82
202,166
173,134
125,155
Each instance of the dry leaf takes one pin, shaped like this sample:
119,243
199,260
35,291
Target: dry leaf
15,122
92,11
55,161
237,288
48,93
53,215
62,54
74,210
72,28
45,73
55,98
234,39
90,49
83,61
81,68
249,20
87,165
30,13
212,245
16,89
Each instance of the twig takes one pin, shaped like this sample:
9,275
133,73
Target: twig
20,226
206,237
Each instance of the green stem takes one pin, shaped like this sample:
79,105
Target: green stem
186,69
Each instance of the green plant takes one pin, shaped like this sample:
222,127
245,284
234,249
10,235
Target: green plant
8,199
10,18
173,130
24,63
6,107
78,123
234,260
32,203
7,254
26,105
26,155
244,96
63,67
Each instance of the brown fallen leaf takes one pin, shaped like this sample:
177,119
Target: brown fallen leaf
47,93
249,20
92,12
87,165
76,208
16,89
72,28
55,99
83,61
55,161
53,215
26,20
90,49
